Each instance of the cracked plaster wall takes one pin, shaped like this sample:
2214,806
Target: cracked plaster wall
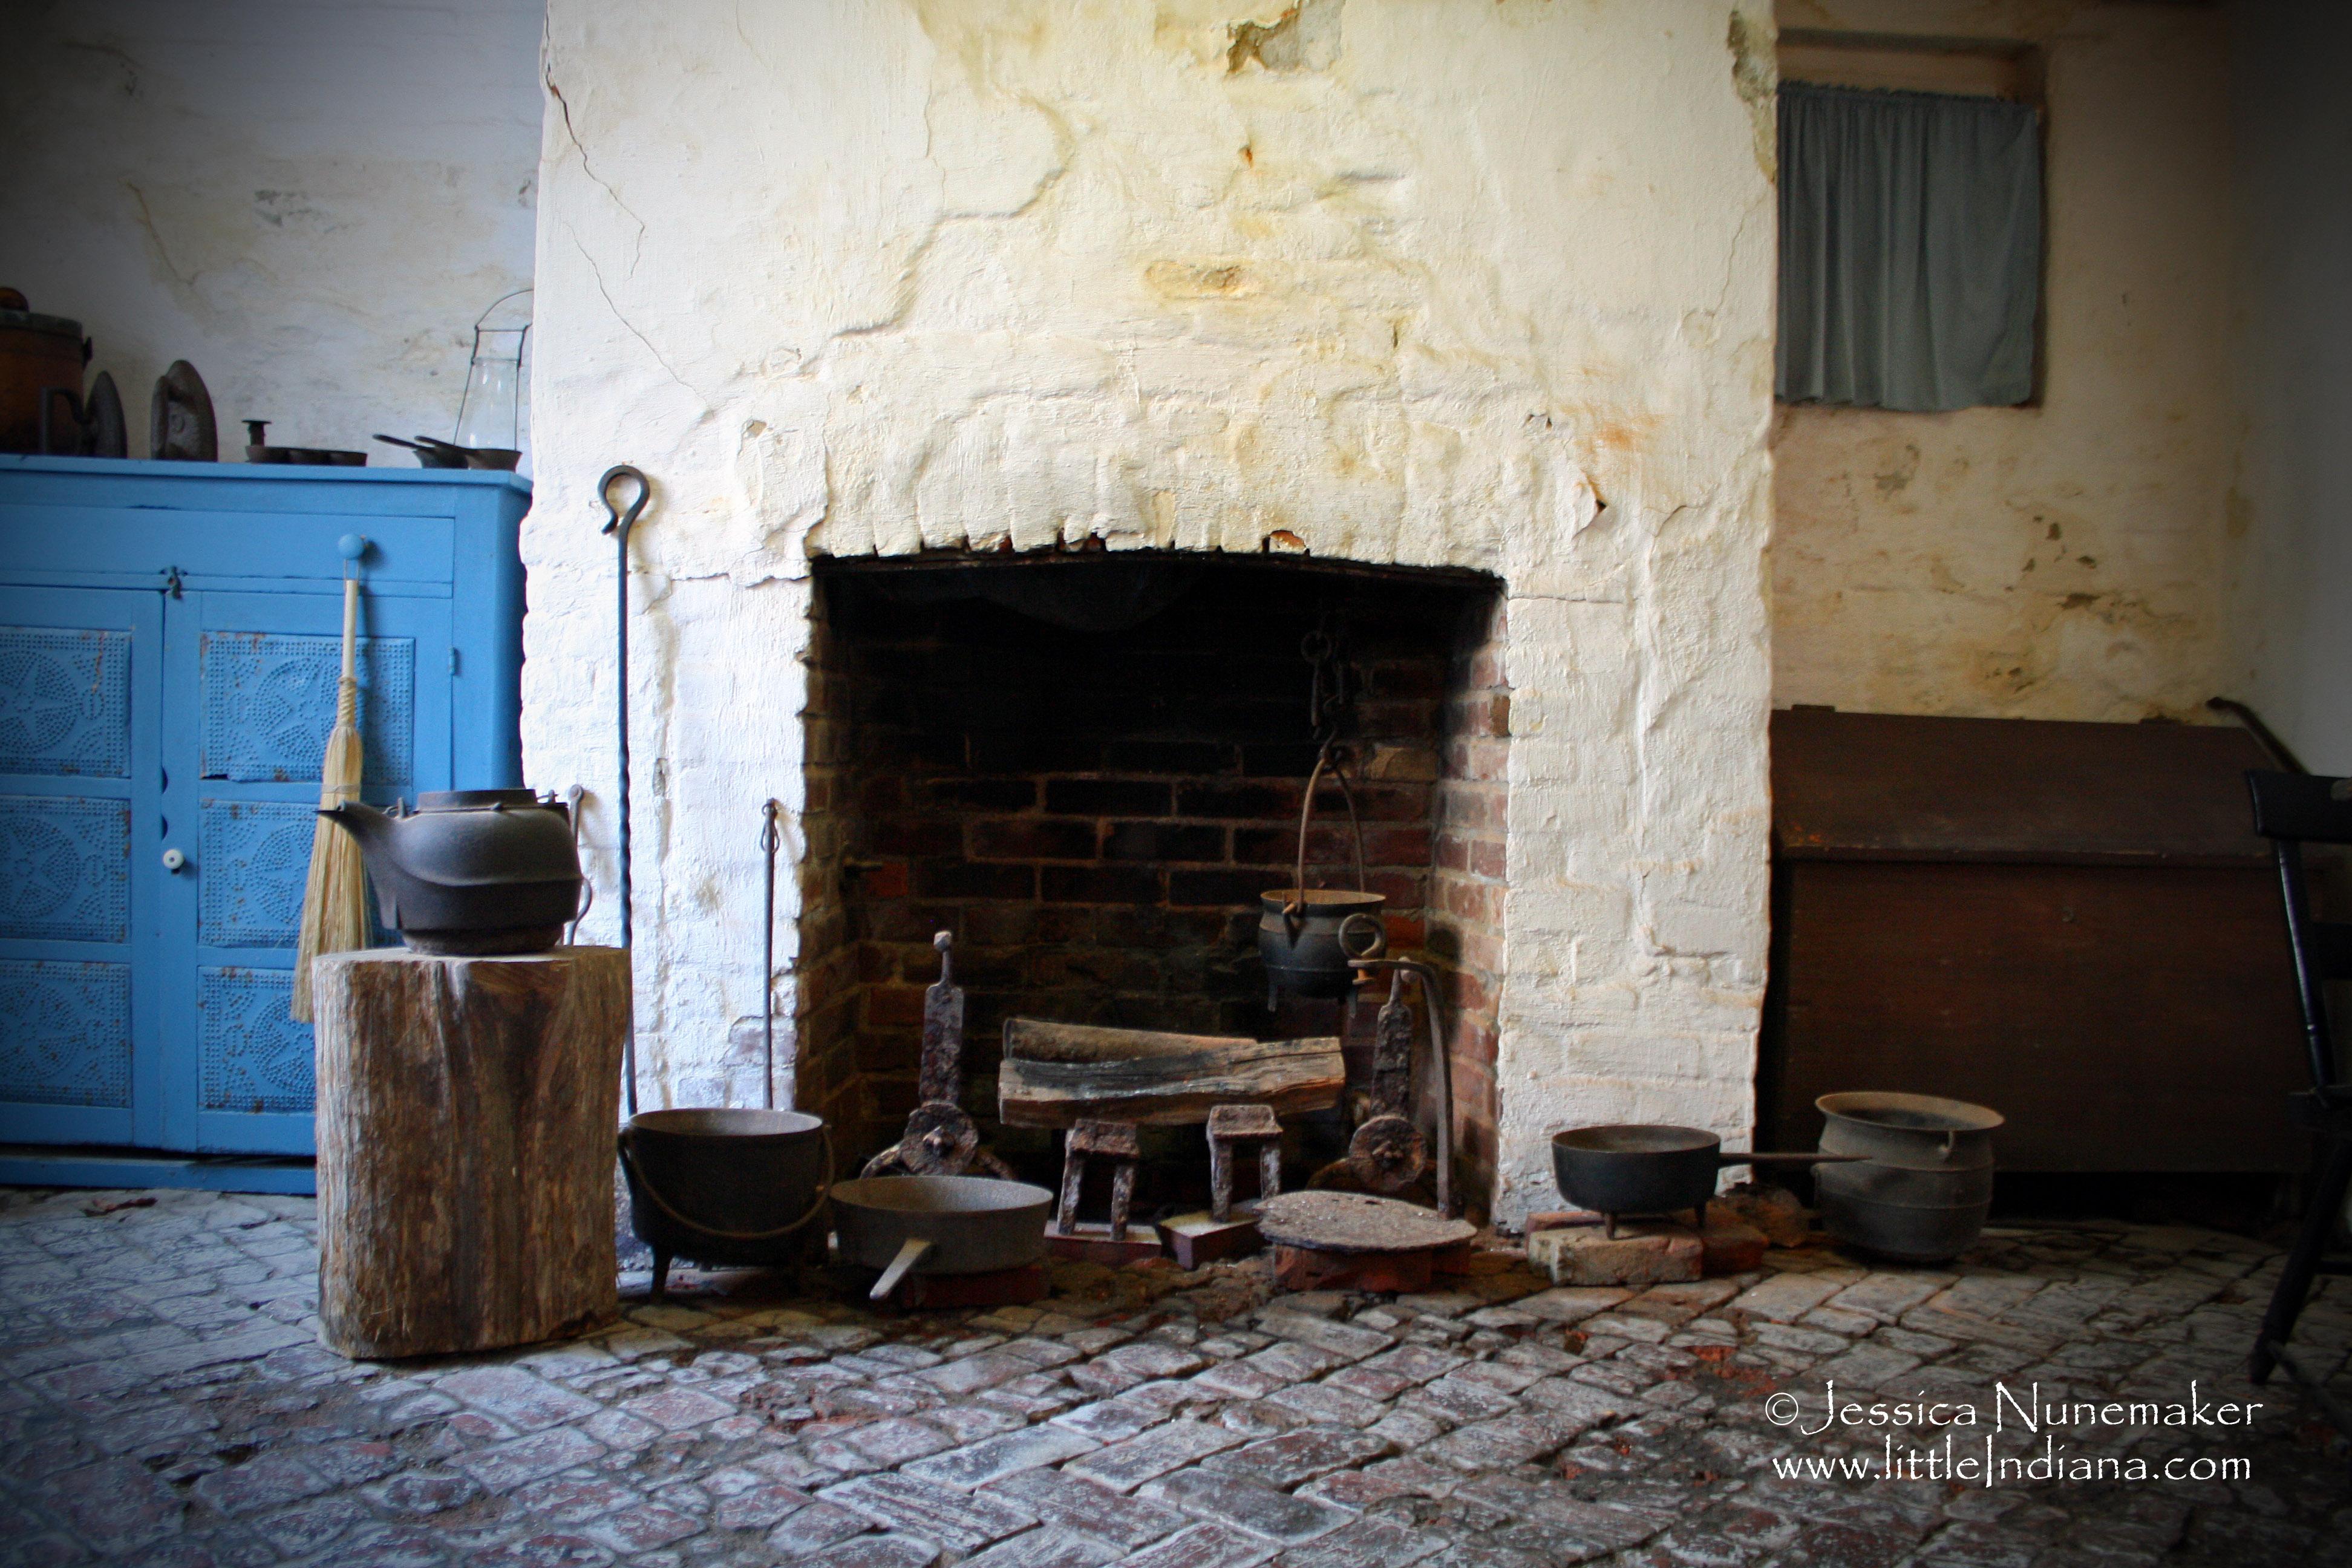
310,202
2066,560
1482,285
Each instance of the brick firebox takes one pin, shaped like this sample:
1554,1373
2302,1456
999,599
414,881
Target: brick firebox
1088,767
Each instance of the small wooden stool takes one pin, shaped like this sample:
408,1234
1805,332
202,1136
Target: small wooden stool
1231,1126
467,1108
1112,1141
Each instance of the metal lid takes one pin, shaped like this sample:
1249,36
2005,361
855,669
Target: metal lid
12,313
474,799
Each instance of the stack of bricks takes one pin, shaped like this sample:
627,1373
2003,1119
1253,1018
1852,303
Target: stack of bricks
1095,813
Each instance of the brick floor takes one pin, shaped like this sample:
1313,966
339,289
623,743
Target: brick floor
164,1401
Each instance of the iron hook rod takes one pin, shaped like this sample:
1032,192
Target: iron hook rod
769,840
622,522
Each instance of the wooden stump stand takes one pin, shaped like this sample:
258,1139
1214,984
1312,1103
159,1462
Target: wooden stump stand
467,1113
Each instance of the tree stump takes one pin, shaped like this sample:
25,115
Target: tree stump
467,1115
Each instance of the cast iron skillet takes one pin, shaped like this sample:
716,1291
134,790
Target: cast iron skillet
1633,1168
937,1224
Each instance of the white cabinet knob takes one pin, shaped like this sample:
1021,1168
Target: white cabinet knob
173,860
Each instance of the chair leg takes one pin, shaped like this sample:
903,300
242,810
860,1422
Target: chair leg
2303,1263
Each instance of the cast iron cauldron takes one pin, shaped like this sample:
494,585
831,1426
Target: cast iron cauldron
1633,1168
725,1186
470,870
1921,1183
1306,938
937,1224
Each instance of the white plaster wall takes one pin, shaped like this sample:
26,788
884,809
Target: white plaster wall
2067,560
308,200
2291,504
1480,284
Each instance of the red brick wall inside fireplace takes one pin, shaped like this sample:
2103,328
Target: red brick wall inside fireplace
1093,809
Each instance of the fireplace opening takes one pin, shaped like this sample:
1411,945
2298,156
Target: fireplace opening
1087,767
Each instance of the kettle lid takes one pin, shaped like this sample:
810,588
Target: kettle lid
473,799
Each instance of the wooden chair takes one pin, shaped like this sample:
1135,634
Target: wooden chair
2292,810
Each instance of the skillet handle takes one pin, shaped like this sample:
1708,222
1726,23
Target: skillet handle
911,1252
1743,1157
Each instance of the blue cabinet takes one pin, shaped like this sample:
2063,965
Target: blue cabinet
170,638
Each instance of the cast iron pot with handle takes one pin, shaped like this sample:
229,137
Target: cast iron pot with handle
1643,1169
726,1186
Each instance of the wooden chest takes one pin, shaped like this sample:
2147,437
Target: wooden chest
2074,924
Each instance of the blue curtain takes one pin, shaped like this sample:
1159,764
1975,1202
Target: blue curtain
1910,248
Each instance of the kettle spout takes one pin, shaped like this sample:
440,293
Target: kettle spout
364,823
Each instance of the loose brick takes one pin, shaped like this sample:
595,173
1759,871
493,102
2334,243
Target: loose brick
1586,1255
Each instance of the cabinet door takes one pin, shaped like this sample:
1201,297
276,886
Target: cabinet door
80,673
250,681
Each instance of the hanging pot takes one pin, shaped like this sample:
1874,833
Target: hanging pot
1307,936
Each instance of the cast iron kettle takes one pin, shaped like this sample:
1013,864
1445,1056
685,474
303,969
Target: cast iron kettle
473,871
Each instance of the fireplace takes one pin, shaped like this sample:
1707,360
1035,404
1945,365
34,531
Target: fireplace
1087,767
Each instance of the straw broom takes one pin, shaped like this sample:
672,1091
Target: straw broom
334,900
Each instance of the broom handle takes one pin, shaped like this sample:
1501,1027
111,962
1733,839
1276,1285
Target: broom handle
347,691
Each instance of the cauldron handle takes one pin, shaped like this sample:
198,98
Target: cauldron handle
1293,916
637,1175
